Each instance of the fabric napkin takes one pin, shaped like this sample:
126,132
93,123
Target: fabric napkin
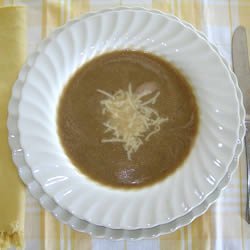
12,55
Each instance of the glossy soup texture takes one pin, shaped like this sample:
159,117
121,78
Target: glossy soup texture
80,120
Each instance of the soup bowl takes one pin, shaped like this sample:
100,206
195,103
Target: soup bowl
77,42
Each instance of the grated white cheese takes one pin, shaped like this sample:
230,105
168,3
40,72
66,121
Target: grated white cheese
129,119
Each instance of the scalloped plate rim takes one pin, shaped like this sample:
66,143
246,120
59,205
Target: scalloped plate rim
132,9
45,43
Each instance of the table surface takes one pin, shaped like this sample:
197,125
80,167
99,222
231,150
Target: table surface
223,226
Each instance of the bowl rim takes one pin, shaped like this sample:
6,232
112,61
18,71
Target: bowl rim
89,14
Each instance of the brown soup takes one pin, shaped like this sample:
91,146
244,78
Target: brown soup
80,120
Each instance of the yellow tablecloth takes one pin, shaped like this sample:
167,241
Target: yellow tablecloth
223,225
12,190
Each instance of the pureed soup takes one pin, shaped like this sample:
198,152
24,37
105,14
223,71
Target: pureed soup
127,119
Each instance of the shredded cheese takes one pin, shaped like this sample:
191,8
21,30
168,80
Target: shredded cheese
130,120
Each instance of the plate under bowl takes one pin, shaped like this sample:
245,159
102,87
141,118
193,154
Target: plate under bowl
77,42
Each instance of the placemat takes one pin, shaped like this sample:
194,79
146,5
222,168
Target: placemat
223,226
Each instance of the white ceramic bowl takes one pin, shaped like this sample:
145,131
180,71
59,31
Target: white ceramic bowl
79,41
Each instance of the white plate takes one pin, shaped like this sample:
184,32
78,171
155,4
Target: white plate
11,127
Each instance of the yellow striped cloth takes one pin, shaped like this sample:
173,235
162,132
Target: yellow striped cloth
223,225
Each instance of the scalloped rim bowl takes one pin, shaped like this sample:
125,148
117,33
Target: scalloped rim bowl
70,46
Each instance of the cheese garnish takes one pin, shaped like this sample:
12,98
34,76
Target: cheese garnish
130,119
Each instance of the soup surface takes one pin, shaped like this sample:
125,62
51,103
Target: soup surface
80,119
